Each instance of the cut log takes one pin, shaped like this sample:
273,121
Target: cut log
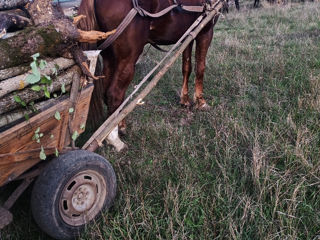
10,4
12,72
19,82
44,11
27,95
49,41
15,12
18,49
11,22
17,114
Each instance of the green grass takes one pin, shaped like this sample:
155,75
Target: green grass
246,169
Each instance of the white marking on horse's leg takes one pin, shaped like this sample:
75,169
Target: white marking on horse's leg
114,140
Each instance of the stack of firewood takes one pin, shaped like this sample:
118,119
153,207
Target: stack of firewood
39,56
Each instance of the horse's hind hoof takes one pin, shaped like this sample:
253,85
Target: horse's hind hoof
185,101
186,106
122,131
121,147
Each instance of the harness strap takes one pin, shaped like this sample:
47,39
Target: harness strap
145,13
125,22
137,9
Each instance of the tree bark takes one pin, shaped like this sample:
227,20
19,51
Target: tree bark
51,41
19,82
18,49
14,71
10,4
51,35
11,22
27,95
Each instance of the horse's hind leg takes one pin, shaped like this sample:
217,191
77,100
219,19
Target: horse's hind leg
203,42
186,71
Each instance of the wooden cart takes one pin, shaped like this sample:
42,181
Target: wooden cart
72,187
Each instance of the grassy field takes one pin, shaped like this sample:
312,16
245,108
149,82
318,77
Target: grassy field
246,169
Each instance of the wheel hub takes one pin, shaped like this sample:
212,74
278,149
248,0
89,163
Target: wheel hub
82,198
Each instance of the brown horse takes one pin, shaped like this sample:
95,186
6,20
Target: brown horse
119,59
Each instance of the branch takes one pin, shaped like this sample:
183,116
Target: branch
93,36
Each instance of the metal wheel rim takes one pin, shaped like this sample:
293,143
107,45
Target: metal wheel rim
82,198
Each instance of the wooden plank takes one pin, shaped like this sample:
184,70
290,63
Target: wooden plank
81,110
11,171
19,137
18,152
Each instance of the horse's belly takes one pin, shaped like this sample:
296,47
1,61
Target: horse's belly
168,29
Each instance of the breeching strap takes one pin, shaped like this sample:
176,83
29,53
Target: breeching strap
139,10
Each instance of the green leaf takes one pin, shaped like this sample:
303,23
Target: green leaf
57,152
26,116
37,130
17,98
36,88
46,80
83,126
35,69
35,56
57,116
42,154
32,78
63,88
71,110
75,135
46,92
55,69
55,95
41,135
33,108
42,64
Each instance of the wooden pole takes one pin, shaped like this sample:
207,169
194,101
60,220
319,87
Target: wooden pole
105,129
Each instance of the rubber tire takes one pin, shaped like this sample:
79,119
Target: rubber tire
49,185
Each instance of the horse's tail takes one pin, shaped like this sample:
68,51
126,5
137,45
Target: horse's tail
87,8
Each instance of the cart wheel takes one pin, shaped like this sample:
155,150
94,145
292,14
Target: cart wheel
71,192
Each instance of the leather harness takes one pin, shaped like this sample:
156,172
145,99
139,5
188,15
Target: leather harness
137,9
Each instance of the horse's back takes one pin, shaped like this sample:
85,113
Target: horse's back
170,27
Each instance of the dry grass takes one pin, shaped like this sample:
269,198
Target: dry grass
248,168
